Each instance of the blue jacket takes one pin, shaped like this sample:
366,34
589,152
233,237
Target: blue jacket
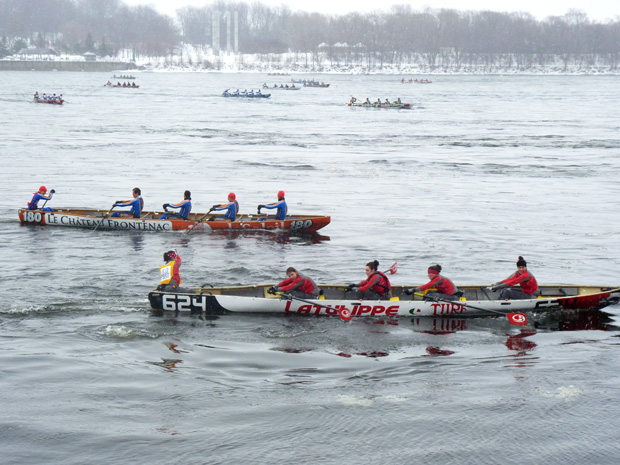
33,205
184,208
231,210
282,209
136,207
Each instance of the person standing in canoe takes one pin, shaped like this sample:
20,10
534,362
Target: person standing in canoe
137,204
297,284
523,278
280,206
184,208
40,195
170,277
232,208
446,290
376,286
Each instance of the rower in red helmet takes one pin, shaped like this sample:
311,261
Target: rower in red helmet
232,208
280,206
40,195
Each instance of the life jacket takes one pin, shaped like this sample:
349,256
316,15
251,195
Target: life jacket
167,273
526,280
443,285
383,287
32,205
307,284
384,284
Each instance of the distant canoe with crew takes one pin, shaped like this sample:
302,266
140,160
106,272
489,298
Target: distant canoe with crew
245,94
128,85
52,99
395,104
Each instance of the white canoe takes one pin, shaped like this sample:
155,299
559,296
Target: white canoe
477,301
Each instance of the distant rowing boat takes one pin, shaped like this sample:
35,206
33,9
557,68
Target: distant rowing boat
282,88
245,95
398,106
125,87
52,102
149,222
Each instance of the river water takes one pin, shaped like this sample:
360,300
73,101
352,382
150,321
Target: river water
482,170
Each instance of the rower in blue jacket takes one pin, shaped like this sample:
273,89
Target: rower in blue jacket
40,195
137,204
232,208
184,208
280,206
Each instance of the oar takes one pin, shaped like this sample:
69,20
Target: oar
393,269
199,221
518,319
104,217
486,294
343,313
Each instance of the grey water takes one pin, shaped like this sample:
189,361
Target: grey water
481,170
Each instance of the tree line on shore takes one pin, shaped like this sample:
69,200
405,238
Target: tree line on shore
401,35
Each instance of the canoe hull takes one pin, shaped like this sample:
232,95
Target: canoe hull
401,106
51,102
91,219
255,299
246,95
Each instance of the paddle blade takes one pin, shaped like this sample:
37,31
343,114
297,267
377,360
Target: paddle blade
394,268
518,319
345,314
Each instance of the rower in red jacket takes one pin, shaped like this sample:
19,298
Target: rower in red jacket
298,285
376,286
523,278
446,290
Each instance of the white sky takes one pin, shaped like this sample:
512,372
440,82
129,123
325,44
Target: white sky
598,10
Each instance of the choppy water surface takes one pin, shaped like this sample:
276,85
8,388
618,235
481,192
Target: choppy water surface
482,170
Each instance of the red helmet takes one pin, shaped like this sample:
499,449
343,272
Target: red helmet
43,189
281,194
232,196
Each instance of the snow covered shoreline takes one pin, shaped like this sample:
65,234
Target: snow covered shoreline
190,58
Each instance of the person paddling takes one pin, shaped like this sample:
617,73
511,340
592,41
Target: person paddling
232,208
523,278
40,195
297,285
280,206
446,290
376,286
170,277
184,208
137,204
